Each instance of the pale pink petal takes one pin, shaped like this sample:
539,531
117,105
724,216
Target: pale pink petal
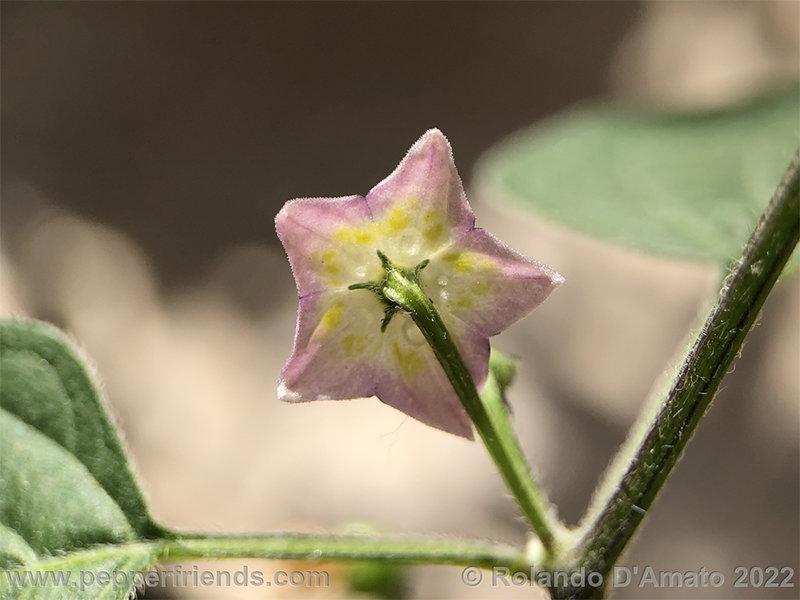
422,203
337,338
413,381
320,256
483,282
340,353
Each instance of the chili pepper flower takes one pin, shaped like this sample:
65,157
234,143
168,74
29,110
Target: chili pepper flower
478,285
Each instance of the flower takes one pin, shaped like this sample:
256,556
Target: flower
478,285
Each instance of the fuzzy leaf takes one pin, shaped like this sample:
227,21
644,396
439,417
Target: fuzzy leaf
66,487
683,185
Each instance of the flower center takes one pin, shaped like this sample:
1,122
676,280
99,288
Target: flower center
398,290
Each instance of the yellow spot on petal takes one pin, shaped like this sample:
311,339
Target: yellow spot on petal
462,262
332,317
354,236
464,301
433,233
362,237
410,362
469,262
355,345
396,221
330,262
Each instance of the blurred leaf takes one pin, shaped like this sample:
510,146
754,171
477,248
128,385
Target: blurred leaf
65,484
503,367
376,579
684,185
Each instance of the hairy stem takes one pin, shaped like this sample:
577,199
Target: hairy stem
656,449
316,547
402,288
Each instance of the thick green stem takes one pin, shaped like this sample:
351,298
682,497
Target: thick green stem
402,289
654,451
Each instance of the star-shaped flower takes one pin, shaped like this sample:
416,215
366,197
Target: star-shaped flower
419,213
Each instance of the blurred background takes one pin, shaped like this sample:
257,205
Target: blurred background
146,148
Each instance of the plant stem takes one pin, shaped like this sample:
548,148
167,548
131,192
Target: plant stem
656,450
401,288
317,547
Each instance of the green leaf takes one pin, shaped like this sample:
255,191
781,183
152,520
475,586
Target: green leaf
65,483
49,498
684,185
102,573
503,368
376,579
